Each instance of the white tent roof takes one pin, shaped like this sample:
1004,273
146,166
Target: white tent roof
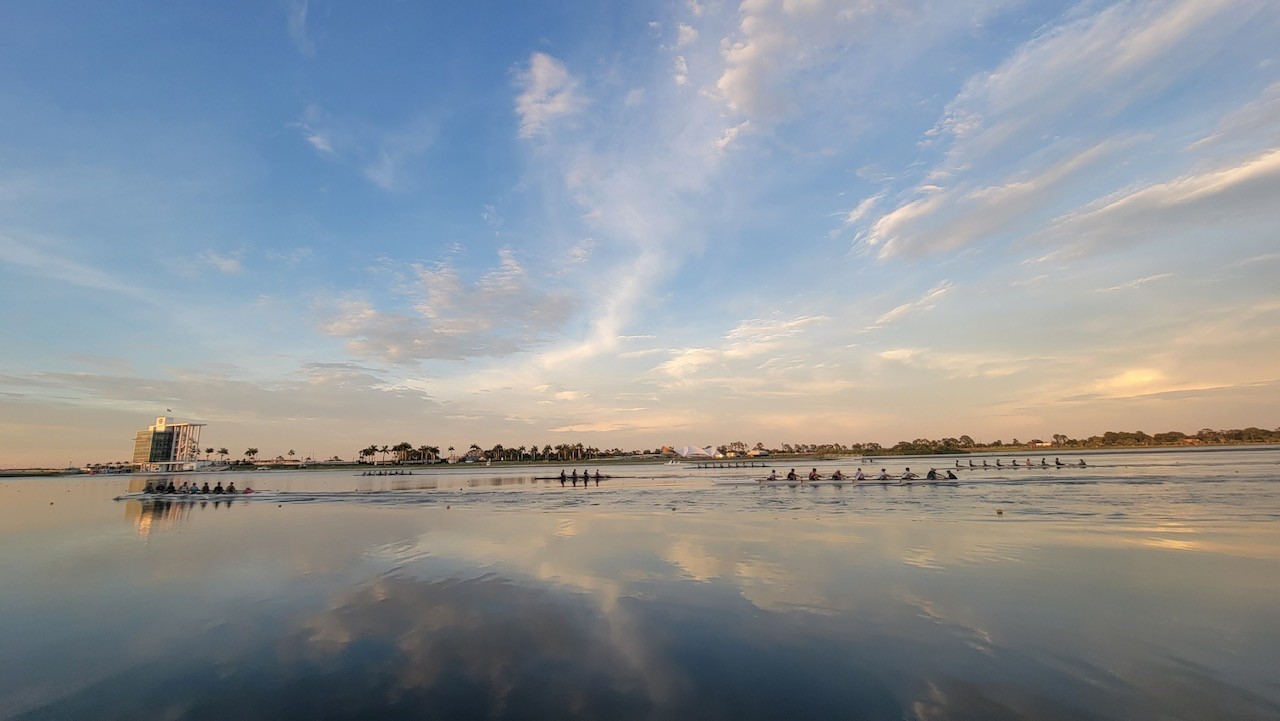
693,452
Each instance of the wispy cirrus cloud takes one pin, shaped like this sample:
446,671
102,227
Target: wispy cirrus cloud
1030,140
924,303
296,22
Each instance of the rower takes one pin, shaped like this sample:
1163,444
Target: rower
151,488
205,488
1082,463
957,463
951,476
218,488
838,475
773,475
813,474
170,488
932,475
791,475
971,463
858,475
563,477
183,487
1044,463
984,463
1058,462
998,463
884,475
231,487
909,476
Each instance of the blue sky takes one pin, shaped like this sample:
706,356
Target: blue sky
318,225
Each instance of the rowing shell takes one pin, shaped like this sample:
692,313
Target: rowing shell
867,482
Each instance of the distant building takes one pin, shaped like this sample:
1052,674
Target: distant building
168,446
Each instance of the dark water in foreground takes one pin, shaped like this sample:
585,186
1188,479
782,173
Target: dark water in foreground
1144,587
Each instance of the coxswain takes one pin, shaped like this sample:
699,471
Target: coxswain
218,488
231,487
951,476
932,475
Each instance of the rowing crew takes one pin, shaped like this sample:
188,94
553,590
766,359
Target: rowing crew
193,488
858,475
1044,463
586,476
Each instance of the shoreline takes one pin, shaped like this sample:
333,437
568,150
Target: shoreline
774,459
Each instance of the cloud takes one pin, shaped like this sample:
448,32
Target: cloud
296,20
229,264
1214,197
503,312
319,141
749,339
547,92
685,35
1059,124
682,70
1136,283
47,260
924,303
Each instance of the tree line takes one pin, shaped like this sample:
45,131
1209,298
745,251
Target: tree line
406,452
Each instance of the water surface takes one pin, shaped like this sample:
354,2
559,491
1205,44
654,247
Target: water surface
1142,587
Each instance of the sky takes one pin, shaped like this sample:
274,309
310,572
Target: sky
320,225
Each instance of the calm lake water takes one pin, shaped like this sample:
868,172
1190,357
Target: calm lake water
1146,586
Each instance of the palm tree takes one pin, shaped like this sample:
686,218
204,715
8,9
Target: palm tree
251,453
208,452
224,453
291,454
521,449
450,451
546,451
384,450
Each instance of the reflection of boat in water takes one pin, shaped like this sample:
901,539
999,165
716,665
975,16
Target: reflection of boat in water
193,497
